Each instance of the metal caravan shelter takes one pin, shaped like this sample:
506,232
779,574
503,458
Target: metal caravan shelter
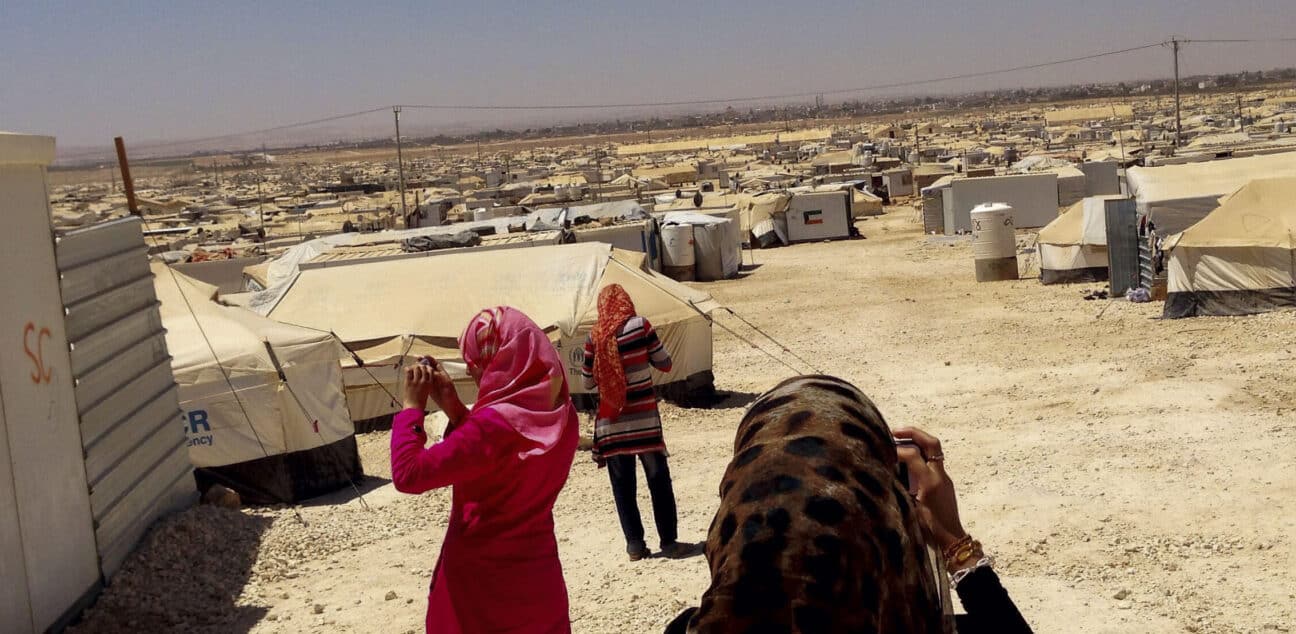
91,451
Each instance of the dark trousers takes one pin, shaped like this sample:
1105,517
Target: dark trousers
621,470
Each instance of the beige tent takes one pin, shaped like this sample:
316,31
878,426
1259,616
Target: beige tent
844,157
1241,258
392,311
756,214
1073,247
287,434
1067,116
630,182
1176,196
672,175
864,204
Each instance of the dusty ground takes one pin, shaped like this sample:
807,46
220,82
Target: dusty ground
1099,451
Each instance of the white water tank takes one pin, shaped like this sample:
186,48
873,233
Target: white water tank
994,242
678,258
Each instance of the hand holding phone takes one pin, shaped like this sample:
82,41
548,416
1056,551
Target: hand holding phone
921,454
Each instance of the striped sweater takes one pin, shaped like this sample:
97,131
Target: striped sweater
638,429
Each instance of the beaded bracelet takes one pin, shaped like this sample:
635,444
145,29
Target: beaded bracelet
963,553
952,548
984,562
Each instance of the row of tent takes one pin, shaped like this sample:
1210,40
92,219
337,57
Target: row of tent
270,399
1229,253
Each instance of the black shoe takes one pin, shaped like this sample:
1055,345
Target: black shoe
638,551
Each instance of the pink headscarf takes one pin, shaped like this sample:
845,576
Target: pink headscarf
522,377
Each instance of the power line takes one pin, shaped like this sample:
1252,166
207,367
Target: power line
278,128
1244,41
690,102
697,102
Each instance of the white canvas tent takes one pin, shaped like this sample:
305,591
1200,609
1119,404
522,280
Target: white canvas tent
1176,196
1073,248
717,243
287,434
1241,258
761,217
392,311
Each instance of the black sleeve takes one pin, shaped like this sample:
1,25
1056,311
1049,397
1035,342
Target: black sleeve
989,608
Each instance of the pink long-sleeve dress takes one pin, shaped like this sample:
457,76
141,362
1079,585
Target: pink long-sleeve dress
499,569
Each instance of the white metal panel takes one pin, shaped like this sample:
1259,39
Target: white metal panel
136,463
108,450
1033,197
1101,178
15,609
36,380
103,416
819,216
84,316
101,382
104,343
92,279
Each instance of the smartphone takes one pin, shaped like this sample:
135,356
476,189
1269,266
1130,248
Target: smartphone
902,468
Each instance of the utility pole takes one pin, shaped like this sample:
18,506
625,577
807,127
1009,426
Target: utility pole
261,210
1174,44
400,161
127,182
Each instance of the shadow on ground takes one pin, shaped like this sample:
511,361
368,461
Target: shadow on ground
348,494
186,576
727,399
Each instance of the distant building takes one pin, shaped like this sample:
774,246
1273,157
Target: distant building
885,132
1074,116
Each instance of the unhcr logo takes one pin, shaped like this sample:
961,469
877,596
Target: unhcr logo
197,427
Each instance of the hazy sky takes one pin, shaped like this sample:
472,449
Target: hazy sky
86,72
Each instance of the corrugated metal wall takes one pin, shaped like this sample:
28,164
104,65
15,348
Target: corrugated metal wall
1122,245
137,464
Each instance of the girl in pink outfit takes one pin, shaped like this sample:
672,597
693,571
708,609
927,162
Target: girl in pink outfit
507,458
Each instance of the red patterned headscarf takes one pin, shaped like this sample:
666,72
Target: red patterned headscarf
522,378
614,309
